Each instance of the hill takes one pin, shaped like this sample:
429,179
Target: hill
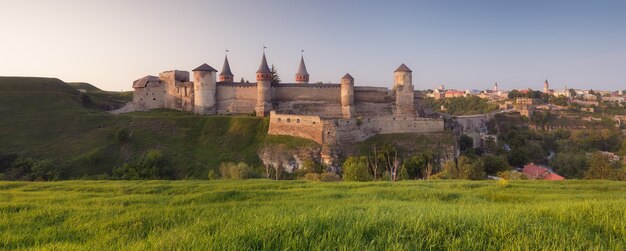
46,118
271,215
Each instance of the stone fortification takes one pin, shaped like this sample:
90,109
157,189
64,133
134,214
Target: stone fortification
329,114
350,130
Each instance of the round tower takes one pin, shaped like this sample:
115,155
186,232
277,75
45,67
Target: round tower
546,87
403,86
204,89
264,89
226,75
302,76
347,96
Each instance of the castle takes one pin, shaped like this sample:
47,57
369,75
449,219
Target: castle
329,114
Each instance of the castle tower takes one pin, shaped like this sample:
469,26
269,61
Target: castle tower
302,76
226,75
546,87
204,89
264,89
403,86
495,87
347,96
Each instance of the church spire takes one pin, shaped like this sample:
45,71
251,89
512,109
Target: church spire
302,76
226,75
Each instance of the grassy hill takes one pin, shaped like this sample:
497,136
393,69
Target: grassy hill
298,215
46,118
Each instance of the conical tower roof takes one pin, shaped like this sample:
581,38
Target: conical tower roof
302,69
347,76
263,68
403,68
226,68
204,67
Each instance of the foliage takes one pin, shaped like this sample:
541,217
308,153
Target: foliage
492,165
309,166
14,167
235,171
512,175
153,165
464,168
312,176
571,165
123,135
513,94
461,105
275,76
503,183
356,169
465,143
329,177
600,168
212,175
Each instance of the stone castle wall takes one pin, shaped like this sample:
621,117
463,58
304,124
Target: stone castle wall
235,98
345,131
308,127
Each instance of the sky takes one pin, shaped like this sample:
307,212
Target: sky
460,44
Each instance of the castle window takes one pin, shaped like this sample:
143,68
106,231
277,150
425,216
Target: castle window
297,120
313,122
278,120
153,94
288,120
153,98
146,94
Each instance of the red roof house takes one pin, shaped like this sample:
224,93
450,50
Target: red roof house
535,172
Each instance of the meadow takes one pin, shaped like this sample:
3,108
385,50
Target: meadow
281,215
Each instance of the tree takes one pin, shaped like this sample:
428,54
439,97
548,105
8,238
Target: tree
571,165
599,168
355,169
493,165
242,81
275,76
465,143
470,169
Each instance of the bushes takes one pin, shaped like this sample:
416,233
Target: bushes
312,176
13,167
356,169
153,165
329,177
238,171
123,135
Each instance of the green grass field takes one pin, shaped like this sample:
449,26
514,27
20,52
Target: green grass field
295,215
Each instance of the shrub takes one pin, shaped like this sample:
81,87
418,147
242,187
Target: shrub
502,183
153,165
355,169
512,175
238,171
329,177
212,175
123,135
308,166
312,176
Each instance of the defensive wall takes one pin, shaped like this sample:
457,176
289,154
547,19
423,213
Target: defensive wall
344,131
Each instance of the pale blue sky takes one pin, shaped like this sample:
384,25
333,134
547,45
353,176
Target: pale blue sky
462,44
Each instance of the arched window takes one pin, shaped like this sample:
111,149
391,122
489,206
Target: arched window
288,120
297,120
278,120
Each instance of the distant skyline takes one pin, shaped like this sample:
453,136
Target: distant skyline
460,44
